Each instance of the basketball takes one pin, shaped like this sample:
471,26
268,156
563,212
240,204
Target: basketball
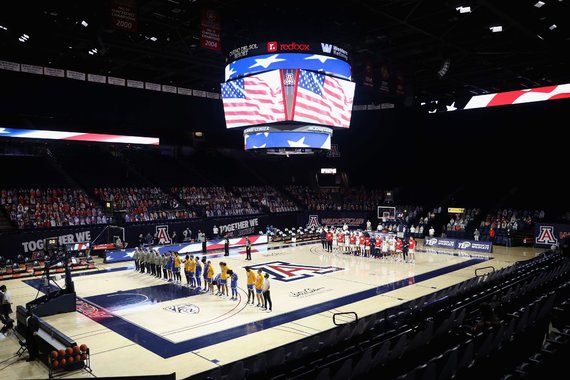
77,358
83,356
61,353
70,360
62,362
54,354
55,364
69,351
83,347
76,349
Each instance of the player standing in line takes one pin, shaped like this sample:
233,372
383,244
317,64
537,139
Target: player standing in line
198,272
187,261
205,264
329,238
176,270
392,246
377,246
367,246
361,244
412,249
250,285
399,250
352,243
234,281
259,288
385,247
340,239
224,279
210,274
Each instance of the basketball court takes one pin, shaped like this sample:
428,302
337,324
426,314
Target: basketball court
136,324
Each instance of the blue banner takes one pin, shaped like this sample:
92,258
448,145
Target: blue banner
267,140
188,248
267,62
459,244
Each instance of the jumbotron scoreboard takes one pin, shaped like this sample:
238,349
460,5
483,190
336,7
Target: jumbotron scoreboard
288,96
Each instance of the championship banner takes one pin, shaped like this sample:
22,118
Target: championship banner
189,248
124,15
462,245
210,30
548,234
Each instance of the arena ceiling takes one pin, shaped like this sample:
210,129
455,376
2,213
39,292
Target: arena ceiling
436,49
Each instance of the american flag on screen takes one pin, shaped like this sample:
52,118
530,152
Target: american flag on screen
256,99
323,99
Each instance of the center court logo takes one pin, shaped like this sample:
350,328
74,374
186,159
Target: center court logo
287,272
186,308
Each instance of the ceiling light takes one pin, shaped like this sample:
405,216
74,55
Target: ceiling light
153,39
25,36
539,36
91,52
84,23
552,27
21,39
496,29
539,4
463,9
3,27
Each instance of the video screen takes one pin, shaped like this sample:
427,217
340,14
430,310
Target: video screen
292,139
288,95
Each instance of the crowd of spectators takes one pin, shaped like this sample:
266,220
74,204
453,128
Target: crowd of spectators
266,196
215,201
351,199
459,222
142,204
50,207
511,219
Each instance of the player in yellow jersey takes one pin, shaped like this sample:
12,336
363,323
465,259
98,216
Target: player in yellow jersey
224,278
259,287
210,277
250,285
176,270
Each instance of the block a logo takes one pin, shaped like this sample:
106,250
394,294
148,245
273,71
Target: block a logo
287,272
272,46
546,235
163,236
313,222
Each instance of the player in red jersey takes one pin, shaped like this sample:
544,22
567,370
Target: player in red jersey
353,243
367,246
412,249
340,238
399,249
329,238
378,247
